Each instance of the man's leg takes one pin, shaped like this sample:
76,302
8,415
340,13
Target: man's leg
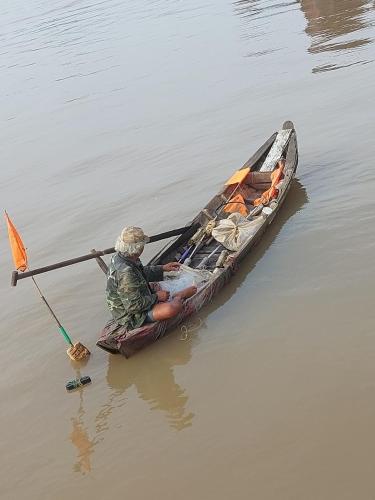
167,310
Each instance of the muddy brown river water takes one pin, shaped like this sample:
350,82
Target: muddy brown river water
127,112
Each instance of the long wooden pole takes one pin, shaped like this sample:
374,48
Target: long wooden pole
93,255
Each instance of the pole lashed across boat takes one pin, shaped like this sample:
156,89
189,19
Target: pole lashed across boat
228,226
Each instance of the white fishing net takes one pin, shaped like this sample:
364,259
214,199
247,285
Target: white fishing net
187,276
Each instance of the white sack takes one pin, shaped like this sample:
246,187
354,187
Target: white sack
235,230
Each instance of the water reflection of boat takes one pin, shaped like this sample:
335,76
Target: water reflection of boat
297,198
154,381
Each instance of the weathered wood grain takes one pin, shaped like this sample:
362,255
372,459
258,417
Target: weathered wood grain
276,151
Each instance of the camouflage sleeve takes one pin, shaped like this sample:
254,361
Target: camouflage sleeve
133,292
153,273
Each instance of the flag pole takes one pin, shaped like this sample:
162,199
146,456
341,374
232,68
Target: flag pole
61,328
76,351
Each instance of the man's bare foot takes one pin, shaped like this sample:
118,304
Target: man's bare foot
186,292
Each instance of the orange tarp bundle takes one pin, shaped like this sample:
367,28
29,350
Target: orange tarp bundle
236,204
238,176
17,246
271,193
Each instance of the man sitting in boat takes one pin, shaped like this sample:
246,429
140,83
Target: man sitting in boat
131,298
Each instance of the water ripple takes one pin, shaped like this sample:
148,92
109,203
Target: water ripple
338,31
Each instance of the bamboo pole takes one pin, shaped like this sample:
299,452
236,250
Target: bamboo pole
16,276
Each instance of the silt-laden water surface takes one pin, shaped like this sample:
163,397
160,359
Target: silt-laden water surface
134,113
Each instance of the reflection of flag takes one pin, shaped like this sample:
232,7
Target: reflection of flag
17,246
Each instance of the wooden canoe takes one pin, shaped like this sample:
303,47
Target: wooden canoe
282,145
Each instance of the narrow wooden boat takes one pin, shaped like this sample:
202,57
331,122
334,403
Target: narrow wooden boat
279,149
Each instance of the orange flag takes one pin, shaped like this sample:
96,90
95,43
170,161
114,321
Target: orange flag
17,246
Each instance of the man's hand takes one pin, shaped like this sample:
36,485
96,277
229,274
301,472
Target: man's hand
163,296
155,286
172,266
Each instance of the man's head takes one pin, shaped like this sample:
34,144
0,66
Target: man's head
131,241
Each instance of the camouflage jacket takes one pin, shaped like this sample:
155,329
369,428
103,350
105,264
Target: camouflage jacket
129,296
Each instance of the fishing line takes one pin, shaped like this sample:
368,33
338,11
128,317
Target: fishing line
189,328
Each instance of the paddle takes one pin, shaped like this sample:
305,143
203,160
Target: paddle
93,255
